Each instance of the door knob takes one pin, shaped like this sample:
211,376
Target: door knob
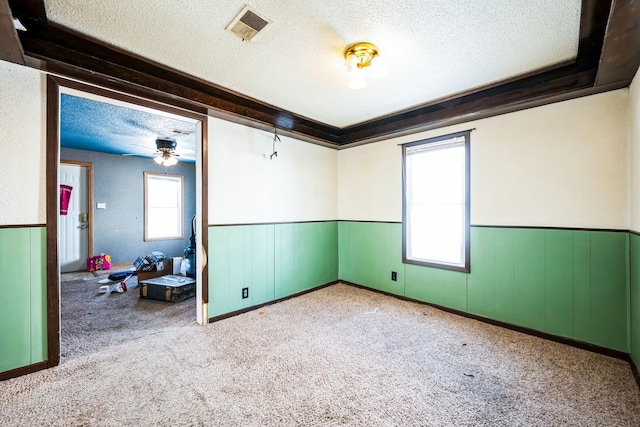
84,221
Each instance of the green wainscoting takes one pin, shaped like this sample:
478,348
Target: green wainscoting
567,283
272,260
369,252
23,307
634,260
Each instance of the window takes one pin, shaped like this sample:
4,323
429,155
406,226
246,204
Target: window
163,206
436,202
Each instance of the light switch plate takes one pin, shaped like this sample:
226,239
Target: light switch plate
101,206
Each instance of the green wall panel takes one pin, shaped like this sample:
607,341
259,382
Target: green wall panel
306,256
575,284
481,283
15,322
259,245
449,288
559,282
239,268
369,252
38,279
567,283
529,278
634,264
504,274
436,286
272,260
609,299
582,285
287,241
218,270
414,282
318,254
241,257
23,305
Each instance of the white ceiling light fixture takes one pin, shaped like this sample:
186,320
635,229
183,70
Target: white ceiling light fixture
358,57
166,159
166,148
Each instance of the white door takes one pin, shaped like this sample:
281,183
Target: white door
73,228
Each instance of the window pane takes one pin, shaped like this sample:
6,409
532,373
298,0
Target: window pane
163,223
436,197
436,232
163,206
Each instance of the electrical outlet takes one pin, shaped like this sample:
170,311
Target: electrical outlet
394,276
245,293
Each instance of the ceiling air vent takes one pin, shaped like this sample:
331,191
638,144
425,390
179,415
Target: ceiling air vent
247,24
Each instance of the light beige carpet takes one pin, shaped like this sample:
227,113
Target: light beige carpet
330,358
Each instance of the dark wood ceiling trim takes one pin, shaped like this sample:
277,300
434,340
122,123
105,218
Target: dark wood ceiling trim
59,50
30,10
621,50
482,114
593,25
50,43
10,47
497,100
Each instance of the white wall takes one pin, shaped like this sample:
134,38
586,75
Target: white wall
634,152
22,145
559,165
245,186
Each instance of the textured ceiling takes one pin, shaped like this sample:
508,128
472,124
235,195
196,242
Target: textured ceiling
99,124
433,48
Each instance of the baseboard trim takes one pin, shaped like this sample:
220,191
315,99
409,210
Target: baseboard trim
634,369
265,304
18,372
562,340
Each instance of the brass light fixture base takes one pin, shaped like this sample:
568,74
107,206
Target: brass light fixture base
363,52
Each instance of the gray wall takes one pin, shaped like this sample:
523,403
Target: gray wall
118,181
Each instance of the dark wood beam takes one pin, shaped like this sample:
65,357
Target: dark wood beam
10,47
497,100
621,52
593,25
59,50
52,203
30,10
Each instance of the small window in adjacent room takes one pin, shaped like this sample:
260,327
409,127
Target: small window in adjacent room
436,202
163,206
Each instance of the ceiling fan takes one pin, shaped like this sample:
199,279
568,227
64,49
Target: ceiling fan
165,153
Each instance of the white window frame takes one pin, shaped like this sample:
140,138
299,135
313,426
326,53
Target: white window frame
408,233
152,210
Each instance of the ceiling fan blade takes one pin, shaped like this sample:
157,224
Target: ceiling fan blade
145,147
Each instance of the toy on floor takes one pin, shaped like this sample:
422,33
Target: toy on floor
119,287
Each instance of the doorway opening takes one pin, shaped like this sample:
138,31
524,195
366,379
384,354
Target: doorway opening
110,138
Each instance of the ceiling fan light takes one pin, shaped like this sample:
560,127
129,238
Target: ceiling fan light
357,80
158,160
351,64
170,161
